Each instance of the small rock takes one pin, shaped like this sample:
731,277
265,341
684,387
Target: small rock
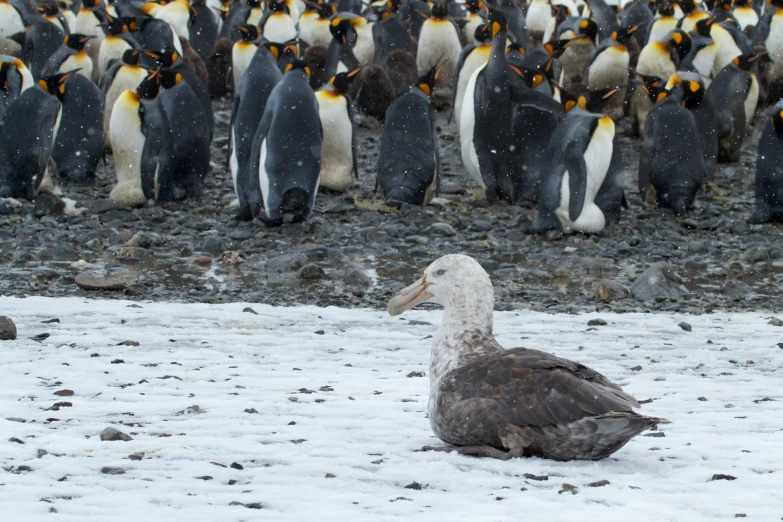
539,478
237,465
251,505
250,410
444,229
190,409
88,282
685,326
721,476
136,456
740,515
16,440
7,329
128,343
50,321
114,434
413,485
111,470
40,337
213,246
481,226
204,477
569,488
598,484
658,281
416,374
636,369
41,452
64,393
330,475
249,310
596,322
319,332
775,322
47,204
146,240
702,399
311,272
734,288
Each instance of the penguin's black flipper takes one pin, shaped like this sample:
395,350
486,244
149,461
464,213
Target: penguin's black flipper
436,149
577,180
108,78
526,97
646,158
354,139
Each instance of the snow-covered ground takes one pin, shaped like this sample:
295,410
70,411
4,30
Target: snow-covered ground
339,420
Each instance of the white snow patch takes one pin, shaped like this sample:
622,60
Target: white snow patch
368,429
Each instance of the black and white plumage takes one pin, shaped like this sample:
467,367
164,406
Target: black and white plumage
489,401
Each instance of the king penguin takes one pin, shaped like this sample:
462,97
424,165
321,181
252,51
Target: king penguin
116,42
473,56
138,135
408,158
277,25
579,153
338,151
475,17
734,94
656,59
120,77
769,171
70,56
607,67
88,22
287,148
80,142
250,96
665,23
671,164
244,50
29,128
12,27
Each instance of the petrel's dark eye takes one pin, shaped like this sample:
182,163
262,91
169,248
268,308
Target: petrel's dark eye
440,272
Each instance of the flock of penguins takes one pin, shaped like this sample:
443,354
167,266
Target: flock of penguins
535,89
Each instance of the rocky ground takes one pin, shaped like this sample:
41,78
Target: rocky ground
354,252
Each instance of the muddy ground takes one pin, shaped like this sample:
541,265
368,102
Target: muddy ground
355,255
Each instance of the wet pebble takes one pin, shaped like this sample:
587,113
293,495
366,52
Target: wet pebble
113,434
7,329
311,272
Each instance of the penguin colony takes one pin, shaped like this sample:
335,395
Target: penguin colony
536,90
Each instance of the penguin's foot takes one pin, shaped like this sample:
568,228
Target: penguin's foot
473,451
479,193
129,194
379,207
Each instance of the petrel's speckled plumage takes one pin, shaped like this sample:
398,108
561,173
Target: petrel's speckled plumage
508,403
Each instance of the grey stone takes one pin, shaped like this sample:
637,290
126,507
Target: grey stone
775,322
607,290
355,276
111,470
286,263
7,329
311,272
596,322
146,240
101,206
47,204
685,326
111,434
444,229
44,272
658,281
213,246
90,282
734,288
481,226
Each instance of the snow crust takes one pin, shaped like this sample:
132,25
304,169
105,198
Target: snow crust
366,419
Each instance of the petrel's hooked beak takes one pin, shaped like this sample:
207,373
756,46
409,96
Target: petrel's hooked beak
409,297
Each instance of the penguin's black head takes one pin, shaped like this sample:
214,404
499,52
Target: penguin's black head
169,78
279,49
588,27
652,85
165,57
590,101
342,82
439,10
741,3
777,119
381,12
745,61
131,57
149,86
5,69
427,82
666,9
622,35
483,33
515,46
681,42
298,65
339,29
776,3
393,5
724,4
703,26
277,6
55,84
91,4
48,9
225,9
497,21
475,6
117,26
693,93
687,6
532,78
556,48
325,11
254,3
249,32
77,41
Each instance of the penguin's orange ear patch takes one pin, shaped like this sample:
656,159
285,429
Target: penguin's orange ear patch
661,96
307,71
570,104
780,114
694,85
42,84
537,80
424,87
289,67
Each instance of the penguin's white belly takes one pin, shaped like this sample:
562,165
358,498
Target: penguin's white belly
336,149
78,61
233,161
306,25
610,69
689,22
87,23
467,124
438,38
705,60
469,31
111,49
128,148
661,28
321,34
10,21
538,16
214,8
475,59
751,101
255,16
241,57
652,62
745,16
364,50
774,43
727,48
295,8
263,176
549,31
279,28
597,155
176,14
127,78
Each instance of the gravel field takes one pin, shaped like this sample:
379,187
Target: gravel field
354,252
